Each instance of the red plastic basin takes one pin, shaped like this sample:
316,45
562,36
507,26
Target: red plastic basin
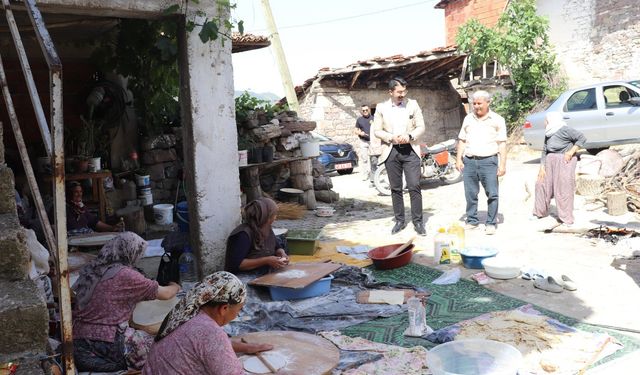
378,256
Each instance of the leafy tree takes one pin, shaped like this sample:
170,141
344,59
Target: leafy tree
520,42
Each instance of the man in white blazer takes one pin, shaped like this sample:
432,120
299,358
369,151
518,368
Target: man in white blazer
399,125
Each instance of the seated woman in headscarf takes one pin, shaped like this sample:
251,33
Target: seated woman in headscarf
253,245
79,219
191,339
107,291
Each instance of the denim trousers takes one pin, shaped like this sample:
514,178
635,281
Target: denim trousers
404,159
481,171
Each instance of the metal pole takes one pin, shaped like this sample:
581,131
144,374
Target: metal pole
28,77
26,163
289,90
57,135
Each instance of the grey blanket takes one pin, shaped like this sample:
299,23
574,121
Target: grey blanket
333,311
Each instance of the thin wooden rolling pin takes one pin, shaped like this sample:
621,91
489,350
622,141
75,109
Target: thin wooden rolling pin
262,359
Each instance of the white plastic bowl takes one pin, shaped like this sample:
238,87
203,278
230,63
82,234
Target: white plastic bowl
474,357
501,267
324,211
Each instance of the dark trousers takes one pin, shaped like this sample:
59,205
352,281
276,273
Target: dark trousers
403,159
481,171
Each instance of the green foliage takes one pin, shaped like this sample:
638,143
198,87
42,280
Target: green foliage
146,53
247,107
246,103
520,42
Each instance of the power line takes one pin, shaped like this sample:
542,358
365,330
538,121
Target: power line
349,17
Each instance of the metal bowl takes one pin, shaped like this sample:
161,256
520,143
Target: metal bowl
378,256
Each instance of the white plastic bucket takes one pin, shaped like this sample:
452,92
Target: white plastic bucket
145,195
310,148
163,214
95,164
142,180
243,158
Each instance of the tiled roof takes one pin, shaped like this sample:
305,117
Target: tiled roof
248,42
437,63
442,4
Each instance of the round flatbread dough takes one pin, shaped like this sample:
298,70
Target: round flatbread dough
254,365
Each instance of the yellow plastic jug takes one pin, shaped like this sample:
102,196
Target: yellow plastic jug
456,231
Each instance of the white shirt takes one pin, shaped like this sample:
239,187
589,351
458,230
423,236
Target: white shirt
483,135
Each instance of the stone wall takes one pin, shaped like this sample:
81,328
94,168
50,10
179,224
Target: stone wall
162,158
595,40
335,110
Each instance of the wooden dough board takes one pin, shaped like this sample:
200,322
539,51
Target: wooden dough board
313,272
305,353
363,297
92,239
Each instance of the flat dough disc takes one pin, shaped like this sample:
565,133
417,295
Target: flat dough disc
254,365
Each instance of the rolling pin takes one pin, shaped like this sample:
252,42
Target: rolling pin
262,359
399,249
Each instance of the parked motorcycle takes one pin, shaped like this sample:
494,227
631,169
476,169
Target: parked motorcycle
438,161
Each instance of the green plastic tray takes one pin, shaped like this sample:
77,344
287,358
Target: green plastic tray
302,242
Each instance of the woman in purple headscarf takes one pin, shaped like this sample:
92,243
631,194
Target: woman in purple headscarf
253,246
107,291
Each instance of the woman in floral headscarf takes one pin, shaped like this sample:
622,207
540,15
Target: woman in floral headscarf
107,291
191,339
253,245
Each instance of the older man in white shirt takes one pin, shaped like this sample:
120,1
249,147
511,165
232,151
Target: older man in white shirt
482,158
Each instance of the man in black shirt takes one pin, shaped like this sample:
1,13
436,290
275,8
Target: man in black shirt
363,131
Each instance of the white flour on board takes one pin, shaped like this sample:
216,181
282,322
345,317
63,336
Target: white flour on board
290,274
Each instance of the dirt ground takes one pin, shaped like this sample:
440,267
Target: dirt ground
607,275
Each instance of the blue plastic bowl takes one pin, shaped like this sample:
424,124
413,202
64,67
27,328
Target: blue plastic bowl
314,289
472,257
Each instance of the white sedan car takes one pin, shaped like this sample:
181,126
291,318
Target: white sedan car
606,113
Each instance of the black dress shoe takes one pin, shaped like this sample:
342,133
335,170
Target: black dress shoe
398,227
419,228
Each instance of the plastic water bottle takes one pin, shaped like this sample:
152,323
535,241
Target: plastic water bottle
187,263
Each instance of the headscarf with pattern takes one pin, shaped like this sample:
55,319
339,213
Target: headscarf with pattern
222,287
122,251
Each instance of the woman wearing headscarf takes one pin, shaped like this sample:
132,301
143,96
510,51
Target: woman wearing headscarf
107,291
79,219
191,339
253,245
557,175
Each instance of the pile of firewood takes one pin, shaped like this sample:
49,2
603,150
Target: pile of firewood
627,180
611,179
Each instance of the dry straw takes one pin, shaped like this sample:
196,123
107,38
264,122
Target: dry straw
291,211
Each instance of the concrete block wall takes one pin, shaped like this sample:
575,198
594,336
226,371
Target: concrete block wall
23,311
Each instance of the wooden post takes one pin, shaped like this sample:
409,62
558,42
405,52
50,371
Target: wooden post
617,203
278,51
